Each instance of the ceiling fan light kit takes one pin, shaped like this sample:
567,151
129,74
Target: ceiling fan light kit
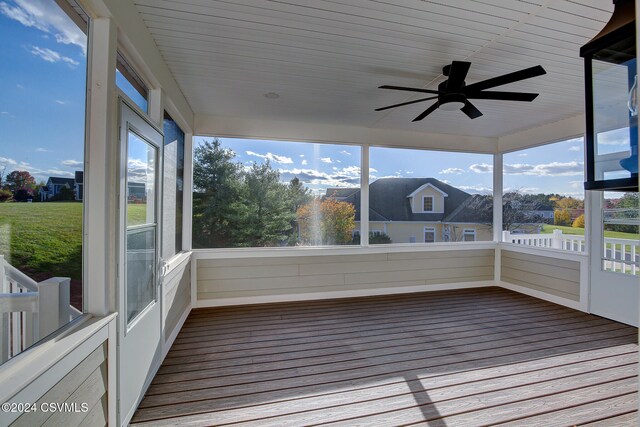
454,94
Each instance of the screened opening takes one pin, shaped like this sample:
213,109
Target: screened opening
420,196
543,196
173,189
131,83
42,122
252,193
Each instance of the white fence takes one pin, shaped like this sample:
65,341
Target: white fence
30,310
621,255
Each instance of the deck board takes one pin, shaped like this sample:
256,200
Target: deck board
468,357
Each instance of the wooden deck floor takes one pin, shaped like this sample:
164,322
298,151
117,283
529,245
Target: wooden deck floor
456,358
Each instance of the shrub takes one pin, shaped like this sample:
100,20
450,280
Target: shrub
578,222
561,217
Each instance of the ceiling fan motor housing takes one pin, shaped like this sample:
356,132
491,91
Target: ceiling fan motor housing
450,101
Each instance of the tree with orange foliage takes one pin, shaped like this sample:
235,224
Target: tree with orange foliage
326,222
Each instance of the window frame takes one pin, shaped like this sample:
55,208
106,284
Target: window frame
429,230
469,232
424,199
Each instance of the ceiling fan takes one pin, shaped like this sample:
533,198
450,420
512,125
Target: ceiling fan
453,94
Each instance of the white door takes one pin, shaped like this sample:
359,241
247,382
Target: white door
615,271
139,335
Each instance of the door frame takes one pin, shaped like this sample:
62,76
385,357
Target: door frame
621,306
124,329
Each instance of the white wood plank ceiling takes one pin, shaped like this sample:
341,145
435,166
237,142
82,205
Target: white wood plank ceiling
326,58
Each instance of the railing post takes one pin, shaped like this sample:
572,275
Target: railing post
4,283
556,241
506,236
53,305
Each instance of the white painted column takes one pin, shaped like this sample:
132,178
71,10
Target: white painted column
364,196
156,106
497,213
100,196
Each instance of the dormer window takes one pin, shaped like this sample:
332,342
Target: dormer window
427,203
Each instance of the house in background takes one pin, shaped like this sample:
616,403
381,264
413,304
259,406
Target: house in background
55,184
416,210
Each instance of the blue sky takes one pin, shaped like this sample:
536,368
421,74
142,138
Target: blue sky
555,168
42,108
43,65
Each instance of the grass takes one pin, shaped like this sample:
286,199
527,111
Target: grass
136,213
43,239
548,229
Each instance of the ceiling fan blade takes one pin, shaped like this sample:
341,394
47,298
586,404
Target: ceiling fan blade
409,89
503,96
405,103
506,79
426,112
470,110
457,73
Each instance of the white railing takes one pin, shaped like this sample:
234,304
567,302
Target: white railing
620,255
30,310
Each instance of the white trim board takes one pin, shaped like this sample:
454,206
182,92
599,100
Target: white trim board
542,295
311,296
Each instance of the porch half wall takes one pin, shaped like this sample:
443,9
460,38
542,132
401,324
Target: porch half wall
224,279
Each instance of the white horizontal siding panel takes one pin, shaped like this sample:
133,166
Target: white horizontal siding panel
289,283
460,274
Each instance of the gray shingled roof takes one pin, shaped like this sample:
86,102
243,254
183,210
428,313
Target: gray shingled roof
388,200
62,181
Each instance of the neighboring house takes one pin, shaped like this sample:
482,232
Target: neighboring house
137,192
79,184
546,215
56,184
418,210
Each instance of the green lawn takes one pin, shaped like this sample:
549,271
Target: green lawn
43,239
548,229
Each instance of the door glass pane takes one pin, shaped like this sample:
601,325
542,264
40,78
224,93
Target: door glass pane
141,191
141,261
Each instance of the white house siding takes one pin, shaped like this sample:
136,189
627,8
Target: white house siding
546,274
177,296
287,276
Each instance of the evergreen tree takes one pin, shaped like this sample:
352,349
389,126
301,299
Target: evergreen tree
217,187
266,209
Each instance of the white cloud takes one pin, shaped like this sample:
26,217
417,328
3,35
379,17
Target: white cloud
456,171
5,161
42,150
60,173
614,137
19,86
345,177
575,148
60,102
52,56
272,157
548,169
409,172
326,160
304,163
345,152
481,168
545,169
4,112
71,163
301,155
475,189
525,190
523,155
47,17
